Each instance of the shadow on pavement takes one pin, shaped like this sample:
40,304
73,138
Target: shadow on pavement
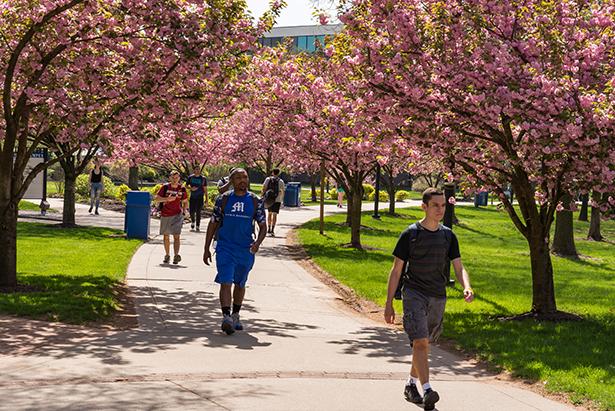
175,319
381,342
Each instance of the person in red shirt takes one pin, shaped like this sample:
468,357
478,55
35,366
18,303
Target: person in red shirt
174,199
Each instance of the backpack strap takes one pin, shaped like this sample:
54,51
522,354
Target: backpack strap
225,198
414,235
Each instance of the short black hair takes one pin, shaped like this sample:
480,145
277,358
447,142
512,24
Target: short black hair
275,171
430,192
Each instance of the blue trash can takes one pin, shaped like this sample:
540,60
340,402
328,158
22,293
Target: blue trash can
480,199
137,215
292,194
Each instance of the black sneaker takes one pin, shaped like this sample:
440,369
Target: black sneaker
90,210
198,229
177,258
96,212
412,394
430,399
167,259
191,227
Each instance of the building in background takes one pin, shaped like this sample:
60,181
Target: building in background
304,38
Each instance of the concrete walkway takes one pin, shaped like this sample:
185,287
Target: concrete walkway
302,348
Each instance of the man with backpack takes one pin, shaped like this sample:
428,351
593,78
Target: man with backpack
197,184
173,200
273,195
233,219
422,252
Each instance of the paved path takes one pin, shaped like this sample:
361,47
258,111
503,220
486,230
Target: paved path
302,348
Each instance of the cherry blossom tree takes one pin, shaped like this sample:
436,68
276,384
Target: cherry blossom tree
508,92
73,69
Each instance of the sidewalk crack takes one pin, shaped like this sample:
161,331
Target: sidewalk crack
199,395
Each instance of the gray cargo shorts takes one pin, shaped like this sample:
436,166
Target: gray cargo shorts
423,315
171,225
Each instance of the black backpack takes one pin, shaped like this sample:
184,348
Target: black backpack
273,189
405,273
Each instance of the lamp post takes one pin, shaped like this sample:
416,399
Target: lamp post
377,193
44,205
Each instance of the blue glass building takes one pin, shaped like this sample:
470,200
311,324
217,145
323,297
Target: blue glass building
304,38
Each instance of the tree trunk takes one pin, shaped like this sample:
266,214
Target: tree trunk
8,243
313,185
563,239
594,222
133,177
68,211
543,292
355,217
349,207
584,207
391,191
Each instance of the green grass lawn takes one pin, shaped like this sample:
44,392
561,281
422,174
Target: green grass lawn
28,206
76,270
573,357
52,188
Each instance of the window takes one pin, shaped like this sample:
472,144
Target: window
302,43
311,47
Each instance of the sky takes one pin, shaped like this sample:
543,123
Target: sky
296,13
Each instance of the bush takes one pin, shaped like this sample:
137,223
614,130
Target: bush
368,189
384,196
121,192
402,195
147,173
82,187
110,189
154,190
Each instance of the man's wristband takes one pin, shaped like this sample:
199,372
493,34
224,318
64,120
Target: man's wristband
469,289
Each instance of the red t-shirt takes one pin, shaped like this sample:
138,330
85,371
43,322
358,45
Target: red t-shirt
172,207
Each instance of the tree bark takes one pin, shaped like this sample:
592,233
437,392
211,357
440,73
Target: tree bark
350,200
313,186
133,177
594,222
8,243
563,239
68,210
584,207
543,291
391,192
355,216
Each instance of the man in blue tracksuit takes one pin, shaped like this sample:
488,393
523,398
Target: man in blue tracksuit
233,217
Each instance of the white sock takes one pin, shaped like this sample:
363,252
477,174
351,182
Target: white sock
426,386
412,380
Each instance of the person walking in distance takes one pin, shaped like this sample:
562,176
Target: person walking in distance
96,186
197,184
340,195
233,217
420,258
273,195
174,199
